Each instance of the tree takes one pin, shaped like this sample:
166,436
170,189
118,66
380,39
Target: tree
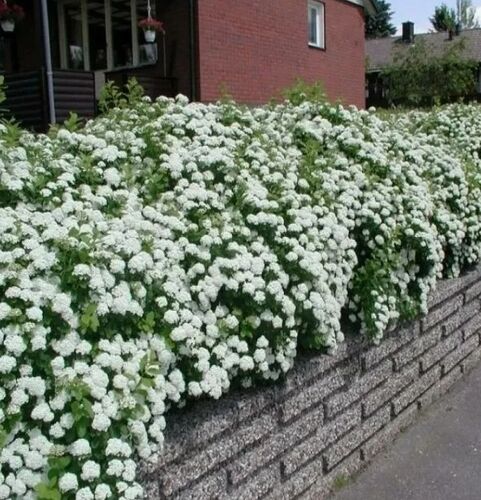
379,25
466,14
418,78
444,18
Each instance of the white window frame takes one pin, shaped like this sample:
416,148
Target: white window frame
320,42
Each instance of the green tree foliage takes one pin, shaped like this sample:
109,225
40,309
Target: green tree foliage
111,96
444,18
418,78
380,24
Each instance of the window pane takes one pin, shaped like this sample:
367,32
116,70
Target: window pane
73,24
97,38
321,34
313,23
121,33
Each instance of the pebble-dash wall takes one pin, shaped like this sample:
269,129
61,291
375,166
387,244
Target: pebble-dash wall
331,415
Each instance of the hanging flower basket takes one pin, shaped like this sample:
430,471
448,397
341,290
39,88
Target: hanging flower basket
151,26
9,15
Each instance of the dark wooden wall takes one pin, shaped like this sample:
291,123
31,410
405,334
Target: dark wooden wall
148,77
25,98
74,92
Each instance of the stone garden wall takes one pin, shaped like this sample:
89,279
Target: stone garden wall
300,438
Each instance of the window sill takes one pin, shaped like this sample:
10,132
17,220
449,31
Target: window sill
131,66
318,47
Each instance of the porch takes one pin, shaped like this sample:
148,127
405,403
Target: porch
86,43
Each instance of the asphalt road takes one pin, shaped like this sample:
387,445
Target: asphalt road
438,458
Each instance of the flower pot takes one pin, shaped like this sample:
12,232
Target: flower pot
150,36
7,26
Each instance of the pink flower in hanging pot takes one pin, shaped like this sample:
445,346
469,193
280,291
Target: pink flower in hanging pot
13,13
151,24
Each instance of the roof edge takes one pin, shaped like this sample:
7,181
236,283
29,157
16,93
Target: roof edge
369,5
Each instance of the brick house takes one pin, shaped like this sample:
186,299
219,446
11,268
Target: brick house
57,59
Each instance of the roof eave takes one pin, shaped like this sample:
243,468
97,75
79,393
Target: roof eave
369,5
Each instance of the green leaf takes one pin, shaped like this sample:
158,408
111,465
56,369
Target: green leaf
94,322
3,437
52,473
63,462
148,322
81,428
88,408
45,492
147,382
89,319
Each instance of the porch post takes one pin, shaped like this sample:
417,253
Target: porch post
62,34
108,34
48,60
85,34
133,27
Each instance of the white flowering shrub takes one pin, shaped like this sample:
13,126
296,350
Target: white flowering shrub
170,250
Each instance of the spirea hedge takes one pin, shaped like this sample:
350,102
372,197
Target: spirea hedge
171,250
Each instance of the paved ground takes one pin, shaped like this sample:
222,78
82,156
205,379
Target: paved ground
438,458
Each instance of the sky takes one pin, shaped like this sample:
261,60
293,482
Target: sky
419,12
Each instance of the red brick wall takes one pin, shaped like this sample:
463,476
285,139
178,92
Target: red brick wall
256,48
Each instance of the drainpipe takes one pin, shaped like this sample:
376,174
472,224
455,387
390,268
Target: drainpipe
48,61
192,50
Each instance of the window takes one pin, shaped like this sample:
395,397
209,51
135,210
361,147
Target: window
315,16
103,34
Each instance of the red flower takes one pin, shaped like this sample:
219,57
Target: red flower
12,12
151,24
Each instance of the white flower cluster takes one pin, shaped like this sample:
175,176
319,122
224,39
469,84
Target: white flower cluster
172,250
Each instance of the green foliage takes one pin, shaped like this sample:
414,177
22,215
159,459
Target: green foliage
12,133
225,95
3,96
2,89
444,18
133,92
45,491
113,97
49,490
89,319
419,78
301,92
380,24
11,130
73,124
110,97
